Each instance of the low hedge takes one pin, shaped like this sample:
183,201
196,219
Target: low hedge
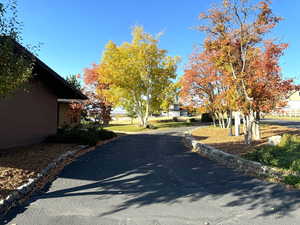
88,136
206,118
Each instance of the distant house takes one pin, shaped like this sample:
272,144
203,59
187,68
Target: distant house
292,109
293,102
29,116
175,110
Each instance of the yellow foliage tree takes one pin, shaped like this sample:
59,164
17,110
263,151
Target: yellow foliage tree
138,73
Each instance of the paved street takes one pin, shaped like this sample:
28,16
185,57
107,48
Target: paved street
288,123
153,179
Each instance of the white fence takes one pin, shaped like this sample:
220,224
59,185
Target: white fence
286,113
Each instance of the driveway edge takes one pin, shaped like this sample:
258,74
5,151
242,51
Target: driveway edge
232,161
23,193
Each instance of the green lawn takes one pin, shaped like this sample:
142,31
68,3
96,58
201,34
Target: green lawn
156,124
125,128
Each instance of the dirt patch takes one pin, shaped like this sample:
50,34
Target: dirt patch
219,138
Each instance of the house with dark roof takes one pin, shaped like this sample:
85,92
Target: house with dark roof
29,116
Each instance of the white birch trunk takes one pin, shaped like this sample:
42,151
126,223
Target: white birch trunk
249,128
229,123
214,119
255,129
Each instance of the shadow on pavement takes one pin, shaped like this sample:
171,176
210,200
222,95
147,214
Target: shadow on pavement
157,168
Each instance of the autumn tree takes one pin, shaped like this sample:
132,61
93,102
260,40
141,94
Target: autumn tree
97,106
235,32
138,73
269,91
74,112
15,64
203,86
76,109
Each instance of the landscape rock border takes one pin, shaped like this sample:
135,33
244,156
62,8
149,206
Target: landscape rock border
25,191
233,161
18,196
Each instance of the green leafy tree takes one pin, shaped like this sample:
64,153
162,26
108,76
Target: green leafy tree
171,96
138,72
74,81
15,63
130,111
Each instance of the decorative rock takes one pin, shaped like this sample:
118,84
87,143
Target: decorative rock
9,198
30,182
274,140
21,193
233,161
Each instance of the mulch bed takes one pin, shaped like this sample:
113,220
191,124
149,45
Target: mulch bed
17,165
220,139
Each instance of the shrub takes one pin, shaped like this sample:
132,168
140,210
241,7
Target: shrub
150,126
206,118
295,165
78,135
175,119
291,179
191,120
285,140
285,155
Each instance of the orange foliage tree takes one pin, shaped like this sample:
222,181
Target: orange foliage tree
235,33
97,106
203,86
74,112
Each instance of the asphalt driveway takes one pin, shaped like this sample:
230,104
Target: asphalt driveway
153,179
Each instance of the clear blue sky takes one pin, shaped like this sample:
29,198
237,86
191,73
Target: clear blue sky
74,32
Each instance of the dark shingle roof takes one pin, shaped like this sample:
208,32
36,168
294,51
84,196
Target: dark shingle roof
60,87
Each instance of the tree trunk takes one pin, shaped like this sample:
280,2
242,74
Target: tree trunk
217,118
141,118
244,124
141,123
229,123
139,112
228,119
223,121
220,120
237,122
249,128
246,129
221,116
255,129
214,120
146,116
